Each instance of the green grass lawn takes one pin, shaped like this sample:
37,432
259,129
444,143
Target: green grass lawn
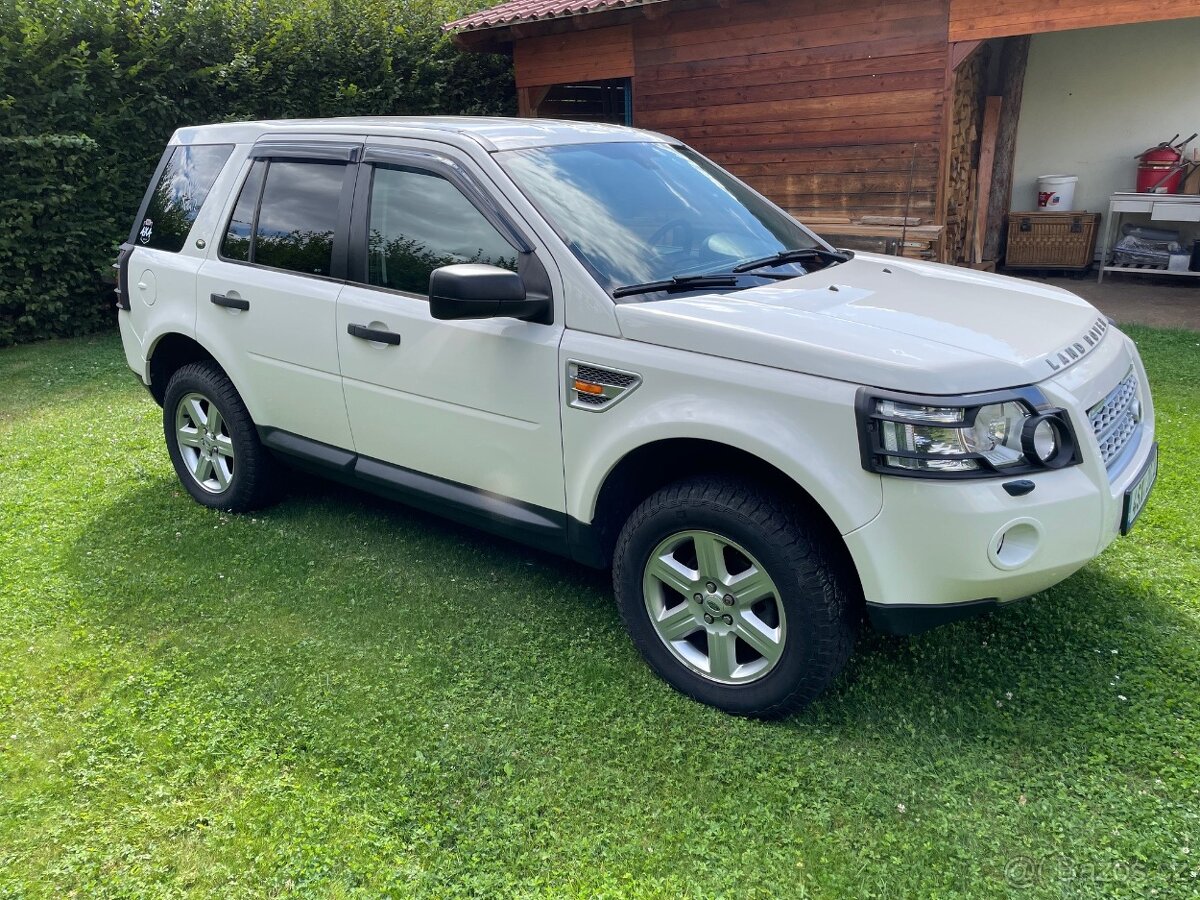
341,697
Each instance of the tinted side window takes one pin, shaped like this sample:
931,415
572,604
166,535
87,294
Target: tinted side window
236,244
289,222
179,194
419,222
298,216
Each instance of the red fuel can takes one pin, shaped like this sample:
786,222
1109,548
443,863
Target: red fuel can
1159,170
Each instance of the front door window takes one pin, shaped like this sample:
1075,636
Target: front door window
419,222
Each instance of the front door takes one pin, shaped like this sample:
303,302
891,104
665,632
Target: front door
471,402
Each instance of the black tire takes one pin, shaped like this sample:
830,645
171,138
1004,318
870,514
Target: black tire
252,472
813,591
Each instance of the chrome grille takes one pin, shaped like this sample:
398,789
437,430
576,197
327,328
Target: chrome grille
1115,418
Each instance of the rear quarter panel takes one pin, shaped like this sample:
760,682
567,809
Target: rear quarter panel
171,308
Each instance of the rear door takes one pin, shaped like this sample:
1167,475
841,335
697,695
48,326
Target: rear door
472,402
267,300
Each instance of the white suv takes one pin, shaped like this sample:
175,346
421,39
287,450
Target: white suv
593,340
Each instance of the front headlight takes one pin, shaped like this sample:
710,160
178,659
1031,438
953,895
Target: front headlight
963,437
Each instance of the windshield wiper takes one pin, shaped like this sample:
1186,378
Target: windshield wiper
679,283
791,256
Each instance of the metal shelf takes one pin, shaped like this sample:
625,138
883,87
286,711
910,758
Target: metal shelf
1147,270
1182,208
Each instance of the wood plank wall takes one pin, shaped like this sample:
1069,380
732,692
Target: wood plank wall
826,106
832,107
590,55
976,19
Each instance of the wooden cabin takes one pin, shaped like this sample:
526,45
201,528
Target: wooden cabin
852,114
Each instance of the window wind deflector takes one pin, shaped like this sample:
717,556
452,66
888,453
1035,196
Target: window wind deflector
332,151
789,256
678,283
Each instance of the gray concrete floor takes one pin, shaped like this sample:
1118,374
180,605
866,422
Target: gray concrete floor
1164,301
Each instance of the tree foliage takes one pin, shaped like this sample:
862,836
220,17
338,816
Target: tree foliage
117,77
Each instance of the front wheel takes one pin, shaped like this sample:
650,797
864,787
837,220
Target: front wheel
732,597
213,443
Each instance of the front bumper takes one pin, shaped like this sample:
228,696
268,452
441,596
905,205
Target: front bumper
943,550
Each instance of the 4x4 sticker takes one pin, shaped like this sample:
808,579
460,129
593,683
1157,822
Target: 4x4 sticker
147,230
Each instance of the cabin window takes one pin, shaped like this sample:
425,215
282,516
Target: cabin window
608,101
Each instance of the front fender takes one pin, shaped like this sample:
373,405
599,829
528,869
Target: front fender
802,425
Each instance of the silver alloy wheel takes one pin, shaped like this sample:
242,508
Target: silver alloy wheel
714,607
204,442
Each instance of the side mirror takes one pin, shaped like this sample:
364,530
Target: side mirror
477,291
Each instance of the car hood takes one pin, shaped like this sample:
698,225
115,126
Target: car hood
884,321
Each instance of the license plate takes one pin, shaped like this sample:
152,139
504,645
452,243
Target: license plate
1138,493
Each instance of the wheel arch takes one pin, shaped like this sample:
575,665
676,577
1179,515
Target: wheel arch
655,464
169,353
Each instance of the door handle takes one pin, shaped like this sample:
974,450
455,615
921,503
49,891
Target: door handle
229,302
373,334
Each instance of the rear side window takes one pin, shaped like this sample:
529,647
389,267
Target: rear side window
419,222
286,216
241,224
177,197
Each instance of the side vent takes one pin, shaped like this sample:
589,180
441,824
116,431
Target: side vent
596,389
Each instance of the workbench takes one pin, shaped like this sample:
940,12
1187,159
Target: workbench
1181,208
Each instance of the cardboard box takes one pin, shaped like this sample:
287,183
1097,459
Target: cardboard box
1191,183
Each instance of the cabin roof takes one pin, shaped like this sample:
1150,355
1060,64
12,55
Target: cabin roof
515,12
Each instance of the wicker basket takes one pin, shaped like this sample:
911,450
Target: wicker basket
1051,240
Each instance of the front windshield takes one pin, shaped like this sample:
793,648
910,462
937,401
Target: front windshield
639,212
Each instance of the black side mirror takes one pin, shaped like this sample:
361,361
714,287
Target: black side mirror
477,291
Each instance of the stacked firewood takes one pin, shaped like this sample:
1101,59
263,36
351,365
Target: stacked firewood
961,183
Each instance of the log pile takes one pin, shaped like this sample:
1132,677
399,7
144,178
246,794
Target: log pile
967,112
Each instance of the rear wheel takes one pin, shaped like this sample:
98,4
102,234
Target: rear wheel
732,597
213,443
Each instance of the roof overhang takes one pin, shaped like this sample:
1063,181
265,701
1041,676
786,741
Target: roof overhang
491,30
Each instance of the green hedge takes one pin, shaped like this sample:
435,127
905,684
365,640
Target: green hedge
90,91
55,241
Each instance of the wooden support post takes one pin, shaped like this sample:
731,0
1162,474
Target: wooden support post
529,99
968,231
1013,56
987,158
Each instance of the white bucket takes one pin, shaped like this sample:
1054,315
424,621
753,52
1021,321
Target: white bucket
1056,192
